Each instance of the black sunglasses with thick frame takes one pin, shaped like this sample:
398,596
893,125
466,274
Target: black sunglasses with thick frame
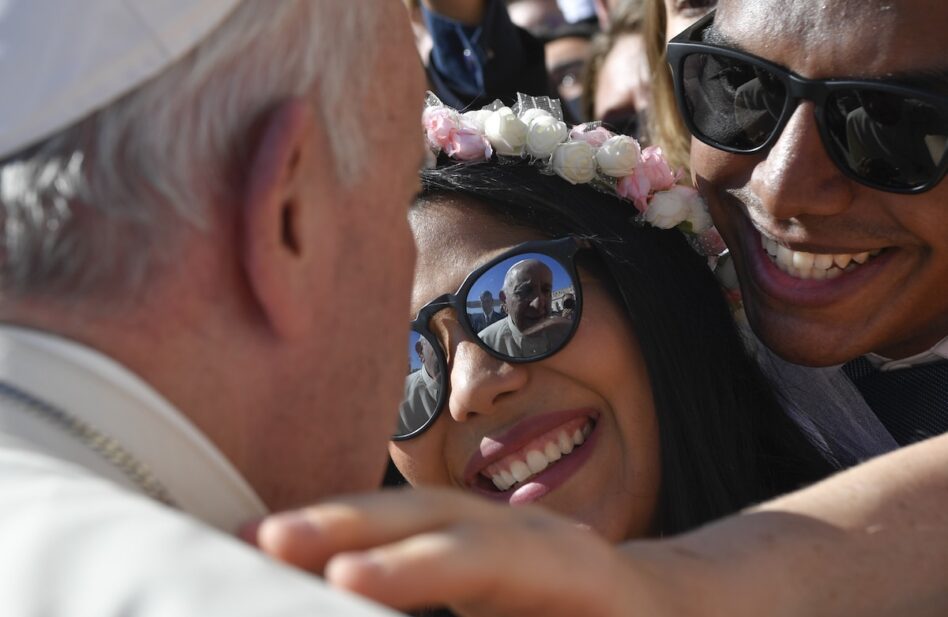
821,92
562,250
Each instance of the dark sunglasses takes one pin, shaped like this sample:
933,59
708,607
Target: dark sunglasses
883,135
522,306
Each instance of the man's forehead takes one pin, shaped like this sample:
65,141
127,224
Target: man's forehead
842,38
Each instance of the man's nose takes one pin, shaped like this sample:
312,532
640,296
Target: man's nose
797,177
479,381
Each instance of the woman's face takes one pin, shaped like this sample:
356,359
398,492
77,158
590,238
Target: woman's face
497,413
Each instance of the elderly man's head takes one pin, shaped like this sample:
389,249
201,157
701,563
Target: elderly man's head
830,266
193,228
528,293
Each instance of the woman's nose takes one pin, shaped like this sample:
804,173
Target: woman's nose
480,381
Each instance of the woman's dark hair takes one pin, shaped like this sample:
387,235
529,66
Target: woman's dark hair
725,441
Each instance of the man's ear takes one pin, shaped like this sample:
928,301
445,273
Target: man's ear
288,220
503,298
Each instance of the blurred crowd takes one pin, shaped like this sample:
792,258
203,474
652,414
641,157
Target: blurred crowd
603,59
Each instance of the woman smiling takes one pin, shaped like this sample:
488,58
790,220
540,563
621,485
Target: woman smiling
637,411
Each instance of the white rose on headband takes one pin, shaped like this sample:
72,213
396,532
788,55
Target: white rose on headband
575,162
544,134
506,132
475,119
532,114
618,156
667,209
698,215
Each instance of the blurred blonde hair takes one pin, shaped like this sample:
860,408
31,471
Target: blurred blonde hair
665,127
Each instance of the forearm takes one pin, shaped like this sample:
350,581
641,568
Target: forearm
467,12
870,541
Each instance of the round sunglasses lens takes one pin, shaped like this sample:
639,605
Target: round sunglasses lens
731,102
524,307
887,139
422,386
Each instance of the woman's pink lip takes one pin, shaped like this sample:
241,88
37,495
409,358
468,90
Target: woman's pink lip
496,447
780,286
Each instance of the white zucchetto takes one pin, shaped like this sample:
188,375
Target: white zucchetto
61,60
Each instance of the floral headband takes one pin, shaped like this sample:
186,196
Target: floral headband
584,154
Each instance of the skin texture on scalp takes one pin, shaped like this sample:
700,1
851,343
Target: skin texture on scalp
794,192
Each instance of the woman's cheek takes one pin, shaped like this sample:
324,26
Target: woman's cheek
419,460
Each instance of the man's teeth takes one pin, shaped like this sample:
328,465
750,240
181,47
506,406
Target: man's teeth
537,457
802,265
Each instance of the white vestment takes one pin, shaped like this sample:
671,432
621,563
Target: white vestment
78,538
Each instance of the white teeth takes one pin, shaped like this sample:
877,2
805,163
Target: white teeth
820,266
803,261
784,256
520,471
536,461
552,452
842,261
823,261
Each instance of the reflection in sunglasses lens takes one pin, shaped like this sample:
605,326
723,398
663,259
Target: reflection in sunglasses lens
890,139
422,386
523,307
732,102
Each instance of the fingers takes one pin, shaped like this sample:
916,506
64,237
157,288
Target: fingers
423,547
307,538
514,569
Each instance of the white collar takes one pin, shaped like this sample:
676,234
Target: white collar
98,390
938,352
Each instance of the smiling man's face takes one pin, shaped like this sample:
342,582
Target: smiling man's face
786,211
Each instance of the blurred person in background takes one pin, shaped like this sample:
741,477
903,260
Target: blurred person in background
478,54
617,82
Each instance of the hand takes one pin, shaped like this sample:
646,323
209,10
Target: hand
422,547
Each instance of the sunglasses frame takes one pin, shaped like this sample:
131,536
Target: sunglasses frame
797,88
563,250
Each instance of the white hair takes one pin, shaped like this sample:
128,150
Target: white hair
97,204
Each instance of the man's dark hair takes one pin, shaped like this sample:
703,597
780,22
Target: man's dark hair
725,441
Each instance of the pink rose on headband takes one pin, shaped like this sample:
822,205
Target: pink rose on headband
636,188
655,168
595,136
468,145
439,123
